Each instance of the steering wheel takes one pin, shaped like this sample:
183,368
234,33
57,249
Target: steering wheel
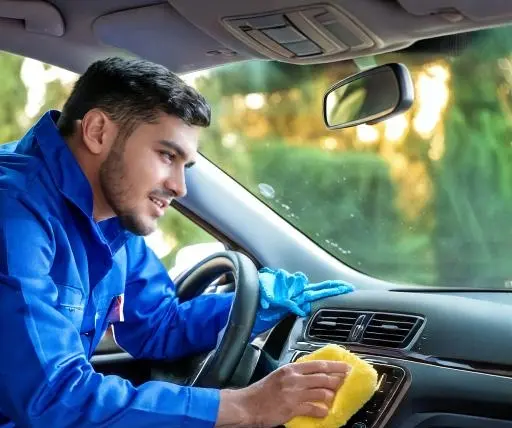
220,365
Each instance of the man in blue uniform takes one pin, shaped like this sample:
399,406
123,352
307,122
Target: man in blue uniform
77,193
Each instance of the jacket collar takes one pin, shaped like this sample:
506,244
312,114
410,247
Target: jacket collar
62,165
70,179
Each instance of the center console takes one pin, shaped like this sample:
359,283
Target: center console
393,383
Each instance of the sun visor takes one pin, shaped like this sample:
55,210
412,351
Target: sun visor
165,29
36,16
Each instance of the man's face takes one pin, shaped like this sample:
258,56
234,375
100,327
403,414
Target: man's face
144,172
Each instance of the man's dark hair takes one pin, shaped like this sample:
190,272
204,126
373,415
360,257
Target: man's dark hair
131,92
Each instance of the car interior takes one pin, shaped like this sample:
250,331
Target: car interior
443,353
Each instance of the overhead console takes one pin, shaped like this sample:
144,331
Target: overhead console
297,34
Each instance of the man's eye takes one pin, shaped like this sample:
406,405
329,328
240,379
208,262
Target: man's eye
168,157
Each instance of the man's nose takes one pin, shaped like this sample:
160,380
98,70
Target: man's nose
177,185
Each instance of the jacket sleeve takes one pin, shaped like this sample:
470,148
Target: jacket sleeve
45,378
155,324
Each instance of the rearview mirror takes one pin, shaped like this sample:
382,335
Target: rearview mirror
370,96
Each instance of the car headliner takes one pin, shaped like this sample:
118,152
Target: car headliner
188,35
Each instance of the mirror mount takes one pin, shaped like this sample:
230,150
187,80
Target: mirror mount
368,97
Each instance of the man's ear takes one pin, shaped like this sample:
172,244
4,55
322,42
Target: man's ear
97,131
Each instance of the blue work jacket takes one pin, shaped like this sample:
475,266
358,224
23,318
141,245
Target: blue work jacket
62,275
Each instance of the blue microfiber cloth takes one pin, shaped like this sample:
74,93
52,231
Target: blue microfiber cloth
282,293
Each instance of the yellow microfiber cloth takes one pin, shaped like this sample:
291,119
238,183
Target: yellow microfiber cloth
359,386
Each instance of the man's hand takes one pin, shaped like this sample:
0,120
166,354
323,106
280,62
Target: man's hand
300,389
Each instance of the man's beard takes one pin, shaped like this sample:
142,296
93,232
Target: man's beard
116,189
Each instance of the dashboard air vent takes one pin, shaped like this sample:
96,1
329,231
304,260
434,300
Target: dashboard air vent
390,330
333,325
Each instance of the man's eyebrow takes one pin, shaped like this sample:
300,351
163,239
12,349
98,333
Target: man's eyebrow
178,149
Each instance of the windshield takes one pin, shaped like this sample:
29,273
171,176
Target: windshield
422,198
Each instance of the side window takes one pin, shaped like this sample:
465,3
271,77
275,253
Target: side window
29,89
180,244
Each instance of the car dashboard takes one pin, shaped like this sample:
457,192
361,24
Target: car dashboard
444,357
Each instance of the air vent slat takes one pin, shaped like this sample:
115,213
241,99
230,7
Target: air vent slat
334,321
325,317
341,319
377,334
389,319
398,323
390,330
333,338
332,329
382,341
332,333
335,324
